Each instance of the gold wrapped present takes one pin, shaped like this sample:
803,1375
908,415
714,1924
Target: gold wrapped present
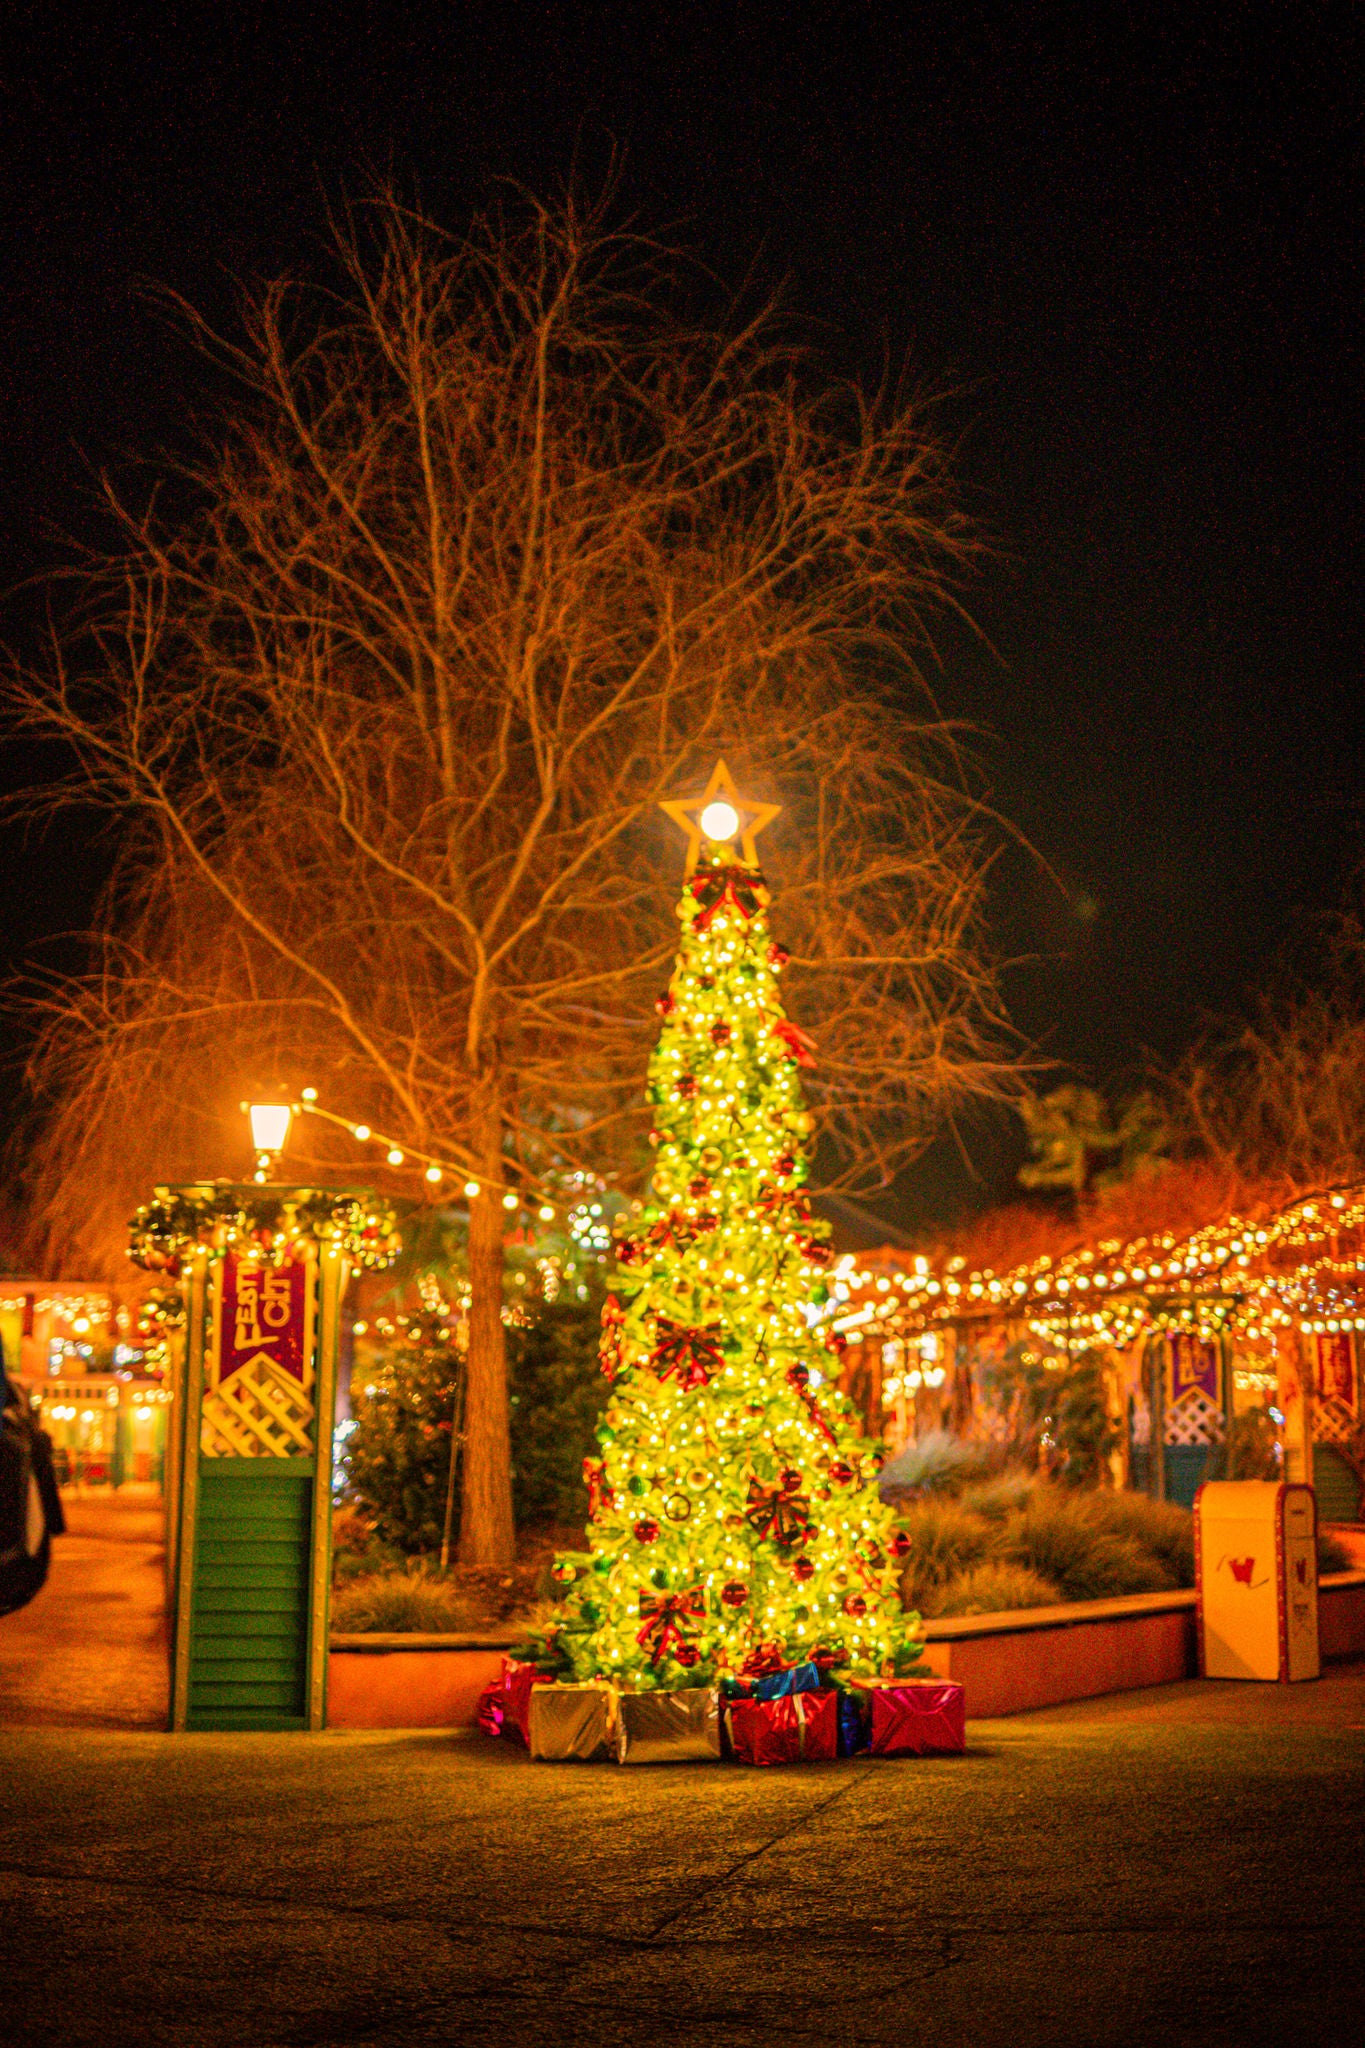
572,1721
668,1727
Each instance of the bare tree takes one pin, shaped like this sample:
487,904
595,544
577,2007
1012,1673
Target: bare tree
1279,1095
494,551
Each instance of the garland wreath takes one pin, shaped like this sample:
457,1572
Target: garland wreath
223,1216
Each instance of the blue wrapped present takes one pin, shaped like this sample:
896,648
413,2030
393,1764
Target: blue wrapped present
776,1685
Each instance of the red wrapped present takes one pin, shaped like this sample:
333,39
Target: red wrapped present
916,1717
491,1712
517,1680
801,1727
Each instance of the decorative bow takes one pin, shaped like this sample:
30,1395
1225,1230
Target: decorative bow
694,1355
775,1513
713,888
665,1617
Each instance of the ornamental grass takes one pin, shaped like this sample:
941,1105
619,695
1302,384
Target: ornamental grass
413,1602
994,1587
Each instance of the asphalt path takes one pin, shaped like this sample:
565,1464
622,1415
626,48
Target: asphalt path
1176,1866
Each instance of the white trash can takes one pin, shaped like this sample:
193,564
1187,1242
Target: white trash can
1256,1568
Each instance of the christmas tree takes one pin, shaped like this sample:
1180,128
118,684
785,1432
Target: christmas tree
735,1521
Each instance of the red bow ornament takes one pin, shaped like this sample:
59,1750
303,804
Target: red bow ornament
713,888
665,1618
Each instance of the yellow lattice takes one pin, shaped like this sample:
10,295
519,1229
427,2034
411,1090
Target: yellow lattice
261,1412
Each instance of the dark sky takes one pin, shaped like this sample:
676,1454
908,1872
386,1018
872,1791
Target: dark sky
1132,255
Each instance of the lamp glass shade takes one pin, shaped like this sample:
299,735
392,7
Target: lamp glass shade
269,1125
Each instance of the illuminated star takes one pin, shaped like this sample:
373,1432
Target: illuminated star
719,816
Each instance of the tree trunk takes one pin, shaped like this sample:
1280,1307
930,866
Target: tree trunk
487,1533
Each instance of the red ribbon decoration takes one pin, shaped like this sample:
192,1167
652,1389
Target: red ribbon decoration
775,1513
799,1043
743,888
665,1616
695,1355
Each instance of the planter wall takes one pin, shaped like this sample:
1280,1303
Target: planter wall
1008,1663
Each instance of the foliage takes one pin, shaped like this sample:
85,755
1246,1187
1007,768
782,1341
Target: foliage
558,1394
999,1497
1059,1536
994,1587
1251,1449
936,1462
947,1541
735,1514
1333,1556
407,1602
1075,1144
1160,1527
1056,1411
398,1454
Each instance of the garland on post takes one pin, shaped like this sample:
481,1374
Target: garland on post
224,1216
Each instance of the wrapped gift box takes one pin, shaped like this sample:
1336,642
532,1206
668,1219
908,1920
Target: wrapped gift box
571,1722
915,1717
668,1727
517,1682
776,1685
800,1727
491,1711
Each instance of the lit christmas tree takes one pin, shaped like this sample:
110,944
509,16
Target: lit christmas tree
735,1522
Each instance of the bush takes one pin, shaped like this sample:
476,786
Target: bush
412,1602
1333,1556
935,1463
946,1542
994,1587
558,1394
1158,1526
999,1498
1059,1537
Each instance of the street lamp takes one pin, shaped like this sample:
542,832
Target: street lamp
269,1129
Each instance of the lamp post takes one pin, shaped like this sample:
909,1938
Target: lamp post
270,1123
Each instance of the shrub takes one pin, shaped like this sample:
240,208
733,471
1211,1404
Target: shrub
934,1463
994,1587
999,1498
412,1602
1333,1556
1059,1537
558,1394
1159,1526
946,1541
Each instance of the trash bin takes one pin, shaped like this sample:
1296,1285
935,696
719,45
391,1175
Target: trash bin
1256,1567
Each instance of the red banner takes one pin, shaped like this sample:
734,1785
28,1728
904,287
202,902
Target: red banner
263,1316
1335,1377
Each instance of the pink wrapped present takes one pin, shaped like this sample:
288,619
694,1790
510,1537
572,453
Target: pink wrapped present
517,1681
801,1727
916,1716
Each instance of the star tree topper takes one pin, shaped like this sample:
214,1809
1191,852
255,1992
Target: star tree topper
720,815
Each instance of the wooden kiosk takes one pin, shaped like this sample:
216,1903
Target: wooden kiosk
249,1469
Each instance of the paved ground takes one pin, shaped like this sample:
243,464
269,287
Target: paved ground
1177,1866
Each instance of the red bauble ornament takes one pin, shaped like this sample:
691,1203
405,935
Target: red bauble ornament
699,1185
803,1569
778,956
901,1546
842,1474
720,1032
664,1004
646,1532
685,1655
836,1342
856,1606
735,1593
798,1376
784,1166
791,1480
687,1087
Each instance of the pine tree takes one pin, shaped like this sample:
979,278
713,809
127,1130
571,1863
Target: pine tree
735,1518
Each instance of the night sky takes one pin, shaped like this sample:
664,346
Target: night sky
1132,259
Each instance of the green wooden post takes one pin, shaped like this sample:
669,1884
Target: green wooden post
187,1428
